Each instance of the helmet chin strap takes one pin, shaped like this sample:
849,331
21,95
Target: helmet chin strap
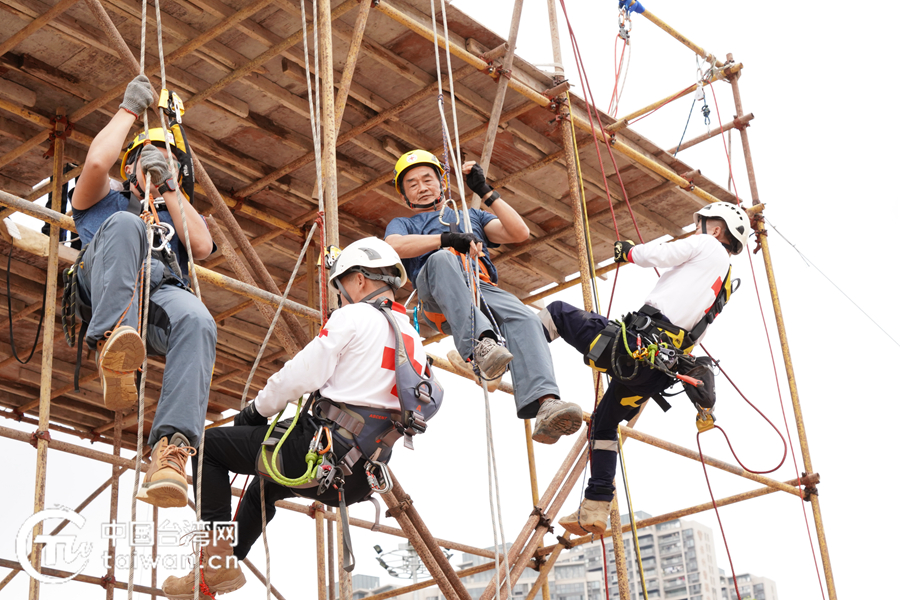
433,204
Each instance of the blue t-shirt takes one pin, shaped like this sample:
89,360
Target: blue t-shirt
428,223
89,221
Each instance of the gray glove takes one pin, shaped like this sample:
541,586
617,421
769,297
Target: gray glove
138,95
153,161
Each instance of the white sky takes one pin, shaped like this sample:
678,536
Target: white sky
809,74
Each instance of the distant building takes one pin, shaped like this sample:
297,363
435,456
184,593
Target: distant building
750,586
678,557
367,585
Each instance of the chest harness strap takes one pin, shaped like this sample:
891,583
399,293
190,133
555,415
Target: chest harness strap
347,434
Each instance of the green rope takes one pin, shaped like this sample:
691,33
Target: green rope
313,459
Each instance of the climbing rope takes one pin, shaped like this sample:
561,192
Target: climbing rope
474,283
634,534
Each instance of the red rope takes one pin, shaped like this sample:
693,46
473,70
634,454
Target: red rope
667,102
238,507
716,508
617,69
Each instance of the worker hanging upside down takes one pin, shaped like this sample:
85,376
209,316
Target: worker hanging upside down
107,281
435,255
645,353
369,384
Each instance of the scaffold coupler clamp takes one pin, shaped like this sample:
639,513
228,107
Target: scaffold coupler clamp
543,521
809,481
706,419
39,435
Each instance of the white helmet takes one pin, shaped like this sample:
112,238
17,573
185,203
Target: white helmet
365,254
735,219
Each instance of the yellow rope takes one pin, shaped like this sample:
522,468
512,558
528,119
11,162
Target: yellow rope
634,535
587,229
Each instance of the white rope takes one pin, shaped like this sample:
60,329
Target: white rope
287,289
262,502
315,117
456,159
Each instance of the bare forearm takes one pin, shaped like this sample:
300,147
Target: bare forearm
514,228
107,145
201,241
411,246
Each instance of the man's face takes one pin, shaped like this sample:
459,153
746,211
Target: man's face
421,185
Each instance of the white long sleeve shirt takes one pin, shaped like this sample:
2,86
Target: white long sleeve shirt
697,268
351,361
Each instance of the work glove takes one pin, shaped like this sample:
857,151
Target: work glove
153,162
622,251
477,183
458,241
249,417
138,95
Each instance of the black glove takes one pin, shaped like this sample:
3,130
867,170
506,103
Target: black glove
621,250
249,417
153,161
477,183
458,241
138,95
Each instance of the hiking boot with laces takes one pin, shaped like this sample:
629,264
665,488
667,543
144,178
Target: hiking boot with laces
590,517
491,358
165,484
556,418
465,367
219,574
118,357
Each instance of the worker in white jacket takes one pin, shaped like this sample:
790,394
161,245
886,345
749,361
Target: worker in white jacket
683,303
350,362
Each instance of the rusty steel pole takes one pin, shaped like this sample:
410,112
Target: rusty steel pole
43,432
785,348
329,133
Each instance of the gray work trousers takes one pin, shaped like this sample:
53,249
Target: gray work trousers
442,289
178,325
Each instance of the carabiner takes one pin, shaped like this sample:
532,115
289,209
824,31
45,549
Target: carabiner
372,477
455,212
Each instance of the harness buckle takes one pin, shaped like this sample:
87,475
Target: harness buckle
325,474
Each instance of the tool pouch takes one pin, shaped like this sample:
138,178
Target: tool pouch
703,395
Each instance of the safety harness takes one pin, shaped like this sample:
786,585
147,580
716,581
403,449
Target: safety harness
347,435
660,344
75,306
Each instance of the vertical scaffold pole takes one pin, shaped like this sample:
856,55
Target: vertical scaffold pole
40,472
785,348
587,274
320,549
329,137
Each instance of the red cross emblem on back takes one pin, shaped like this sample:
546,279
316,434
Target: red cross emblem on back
389,357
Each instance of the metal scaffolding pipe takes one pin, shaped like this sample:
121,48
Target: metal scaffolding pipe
785,348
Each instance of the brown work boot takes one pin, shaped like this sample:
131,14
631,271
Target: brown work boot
466,367
554,419
491,358
118,356
219,574
590,517
165,484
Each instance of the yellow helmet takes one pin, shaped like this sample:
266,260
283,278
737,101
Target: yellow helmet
415,158
180,149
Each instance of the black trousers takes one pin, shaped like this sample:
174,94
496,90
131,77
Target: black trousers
620,403
234,450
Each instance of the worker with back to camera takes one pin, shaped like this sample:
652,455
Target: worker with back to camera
108,277
356,391
662,333
434,255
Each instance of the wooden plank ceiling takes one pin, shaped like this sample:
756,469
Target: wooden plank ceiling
259,123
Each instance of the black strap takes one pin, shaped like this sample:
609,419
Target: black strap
662,402
349,562
12,341
81,333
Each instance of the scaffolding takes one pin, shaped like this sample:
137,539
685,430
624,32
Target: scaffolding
269,209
